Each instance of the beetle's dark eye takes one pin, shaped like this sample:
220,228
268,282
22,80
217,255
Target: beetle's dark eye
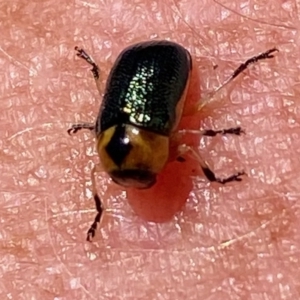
141,179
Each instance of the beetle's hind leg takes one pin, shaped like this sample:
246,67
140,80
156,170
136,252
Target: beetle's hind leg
95,69
99,206
210,175
242,67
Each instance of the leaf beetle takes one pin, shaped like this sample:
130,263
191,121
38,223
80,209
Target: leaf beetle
142,105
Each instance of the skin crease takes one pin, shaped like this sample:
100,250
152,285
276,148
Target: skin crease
239,241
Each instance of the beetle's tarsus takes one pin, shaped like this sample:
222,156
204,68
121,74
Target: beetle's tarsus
82,54
210,175
90,234
92,230
254,59
234,130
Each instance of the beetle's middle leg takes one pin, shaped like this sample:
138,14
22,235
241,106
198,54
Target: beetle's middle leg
78,126
212,133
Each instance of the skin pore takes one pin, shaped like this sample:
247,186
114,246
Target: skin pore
238,241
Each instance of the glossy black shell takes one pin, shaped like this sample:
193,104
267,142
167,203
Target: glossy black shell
144,86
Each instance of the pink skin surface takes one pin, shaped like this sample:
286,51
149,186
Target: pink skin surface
238,241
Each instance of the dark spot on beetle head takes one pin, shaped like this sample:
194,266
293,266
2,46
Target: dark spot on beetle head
119,146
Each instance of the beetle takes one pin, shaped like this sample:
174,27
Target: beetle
142,105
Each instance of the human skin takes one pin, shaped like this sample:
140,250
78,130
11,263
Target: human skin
237,241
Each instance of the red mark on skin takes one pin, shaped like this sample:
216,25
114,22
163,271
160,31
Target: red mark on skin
167,196
174,183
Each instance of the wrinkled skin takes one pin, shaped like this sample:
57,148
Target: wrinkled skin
239,241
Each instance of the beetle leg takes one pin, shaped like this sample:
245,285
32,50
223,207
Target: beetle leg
99,205
95,69
78,126
210,132
210,175
265,55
